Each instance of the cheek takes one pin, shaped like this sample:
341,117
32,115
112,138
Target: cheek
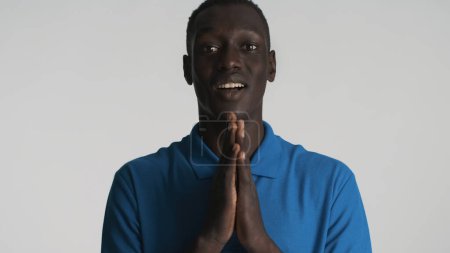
260,75
258,65
203,67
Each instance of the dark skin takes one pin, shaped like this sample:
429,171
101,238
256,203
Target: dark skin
230,47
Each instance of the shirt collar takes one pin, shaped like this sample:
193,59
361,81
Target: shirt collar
265,161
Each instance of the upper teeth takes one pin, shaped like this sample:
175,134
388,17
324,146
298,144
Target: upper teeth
231,85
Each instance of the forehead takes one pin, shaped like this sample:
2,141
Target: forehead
229,17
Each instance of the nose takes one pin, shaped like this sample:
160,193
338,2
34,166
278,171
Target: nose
230,59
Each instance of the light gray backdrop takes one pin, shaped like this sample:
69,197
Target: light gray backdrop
87,85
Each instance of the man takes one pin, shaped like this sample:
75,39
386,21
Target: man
232,185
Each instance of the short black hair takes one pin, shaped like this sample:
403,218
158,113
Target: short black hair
209,3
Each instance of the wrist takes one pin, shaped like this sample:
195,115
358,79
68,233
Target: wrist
207,244
262,244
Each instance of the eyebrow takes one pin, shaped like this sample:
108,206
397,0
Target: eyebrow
203,30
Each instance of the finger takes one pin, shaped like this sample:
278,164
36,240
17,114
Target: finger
230,174
225,176
228,143
243,171
232,116
240,134
232,128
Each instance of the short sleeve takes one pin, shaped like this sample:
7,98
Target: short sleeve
121,230
348,231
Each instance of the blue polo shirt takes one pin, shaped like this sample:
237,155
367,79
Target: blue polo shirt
309,202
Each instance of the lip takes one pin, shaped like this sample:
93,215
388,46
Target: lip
231,85
229,94
229,81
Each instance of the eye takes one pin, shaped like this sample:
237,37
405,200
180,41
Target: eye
250,47
209,49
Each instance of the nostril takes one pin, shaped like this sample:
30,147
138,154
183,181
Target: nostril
230,59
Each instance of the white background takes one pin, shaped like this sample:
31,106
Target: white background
87,85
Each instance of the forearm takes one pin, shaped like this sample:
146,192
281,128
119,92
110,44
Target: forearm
204,245
263,245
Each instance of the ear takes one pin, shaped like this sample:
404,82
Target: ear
187,69
272,66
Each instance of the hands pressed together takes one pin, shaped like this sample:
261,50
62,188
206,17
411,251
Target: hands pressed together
234,204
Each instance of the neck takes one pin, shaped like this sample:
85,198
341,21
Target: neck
212,133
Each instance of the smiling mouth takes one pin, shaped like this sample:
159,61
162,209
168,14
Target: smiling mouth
227,86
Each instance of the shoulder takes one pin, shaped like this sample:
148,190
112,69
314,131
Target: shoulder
314,167
312,160
153,164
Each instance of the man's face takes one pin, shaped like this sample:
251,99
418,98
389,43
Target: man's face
229,61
